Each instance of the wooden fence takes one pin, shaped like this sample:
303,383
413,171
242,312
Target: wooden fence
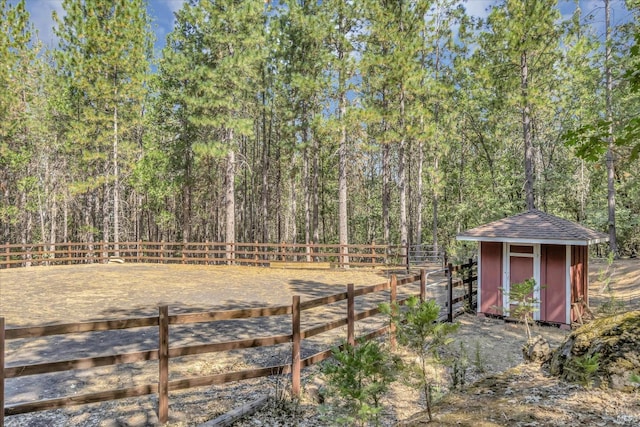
165,352
211,253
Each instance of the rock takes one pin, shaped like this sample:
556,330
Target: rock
536,350
610,345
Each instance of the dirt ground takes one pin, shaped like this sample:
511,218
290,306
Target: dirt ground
496,382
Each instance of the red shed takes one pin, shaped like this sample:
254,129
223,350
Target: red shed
552,250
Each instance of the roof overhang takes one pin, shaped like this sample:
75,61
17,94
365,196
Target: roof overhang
525,240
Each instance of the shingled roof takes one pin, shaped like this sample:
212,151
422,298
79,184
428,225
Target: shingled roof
534,226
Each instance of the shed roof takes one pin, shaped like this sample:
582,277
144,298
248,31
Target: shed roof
534,226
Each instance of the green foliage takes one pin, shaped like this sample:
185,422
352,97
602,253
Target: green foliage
357,379
419,331
459,366
478,360
612,305
582,369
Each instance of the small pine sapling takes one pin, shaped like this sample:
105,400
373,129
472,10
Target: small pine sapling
418,329
357,379
523,303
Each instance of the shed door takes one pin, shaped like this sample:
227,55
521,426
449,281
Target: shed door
553,275
522,263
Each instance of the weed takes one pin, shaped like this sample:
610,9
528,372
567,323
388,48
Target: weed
459,367
478,360
582,369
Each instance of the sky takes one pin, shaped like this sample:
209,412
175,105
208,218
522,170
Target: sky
161,11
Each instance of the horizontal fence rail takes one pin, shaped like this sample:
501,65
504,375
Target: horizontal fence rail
212,253
164,351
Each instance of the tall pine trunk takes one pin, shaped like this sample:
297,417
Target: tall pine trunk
526,132
230,201
610,158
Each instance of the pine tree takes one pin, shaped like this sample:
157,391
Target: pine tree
209,80
518,48
20,125
103,58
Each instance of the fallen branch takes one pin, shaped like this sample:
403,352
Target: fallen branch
231,417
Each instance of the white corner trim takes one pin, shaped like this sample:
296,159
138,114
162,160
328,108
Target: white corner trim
506,288
567,283
479,287
536,276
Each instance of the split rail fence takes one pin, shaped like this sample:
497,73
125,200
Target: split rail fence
462,277
210,253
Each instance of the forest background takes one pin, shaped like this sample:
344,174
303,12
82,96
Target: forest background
399,122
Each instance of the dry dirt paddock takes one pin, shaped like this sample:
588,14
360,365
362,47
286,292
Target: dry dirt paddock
66,294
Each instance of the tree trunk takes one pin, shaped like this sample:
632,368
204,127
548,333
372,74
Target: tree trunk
402,178
116,184
526,132
264,198
186,197
342,185
610,157
306,179
315,195
386,193
229,199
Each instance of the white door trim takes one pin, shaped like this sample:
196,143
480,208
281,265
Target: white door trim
507,254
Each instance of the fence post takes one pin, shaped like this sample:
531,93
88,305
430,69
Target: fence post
295,348
1,371
256,258
406,253
163,363
423,285
351,314
394,310
374,260
470,284
450,293
8,257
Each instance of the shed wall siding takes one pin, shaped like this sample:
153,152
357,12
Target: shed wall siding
553,283
579,280
490,277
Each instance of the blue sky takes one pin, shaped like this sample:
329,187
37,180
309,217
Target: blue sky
162,11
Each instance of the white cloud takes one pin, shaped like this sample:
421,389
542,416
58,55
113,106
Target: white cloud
172,5
478,8
41,11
